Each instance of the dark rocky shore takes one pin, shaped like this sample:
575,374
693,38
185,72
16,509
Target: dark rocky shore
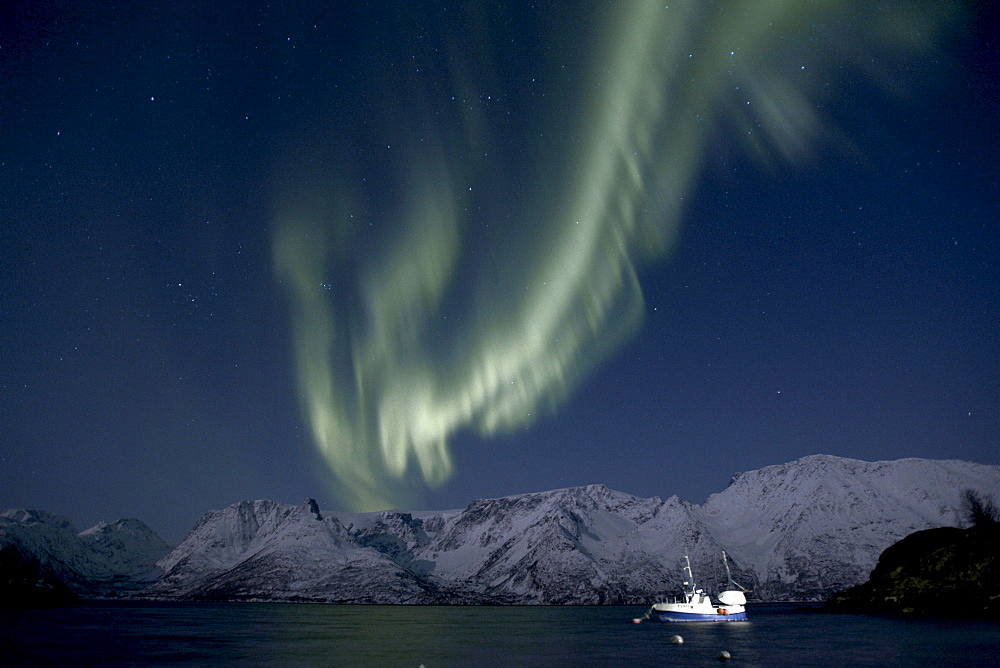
24,585
944,572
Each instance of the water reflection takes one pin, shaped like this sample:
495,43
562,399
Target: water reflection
287,634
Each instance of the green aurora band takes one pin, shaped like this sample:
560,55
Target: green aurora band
553,298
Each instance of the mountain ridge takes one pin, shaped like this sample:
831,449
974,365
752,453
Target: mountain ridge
795,531
108,560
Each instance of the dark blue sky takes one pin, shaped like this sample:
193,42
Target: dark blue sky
845,303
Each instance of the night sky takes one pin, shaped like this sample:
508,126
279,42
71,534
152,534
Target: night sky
413,254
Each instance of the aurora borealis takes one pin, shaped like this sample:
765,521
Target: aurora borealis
648,109
466,249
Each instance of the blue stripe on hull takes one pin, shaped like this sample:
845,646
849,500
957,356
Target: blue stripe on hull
696,617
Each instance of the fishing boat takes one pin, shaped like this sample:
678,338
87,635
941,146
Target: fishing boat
694,605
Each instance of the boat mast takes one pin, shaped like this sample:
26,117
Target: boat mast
687,569
729,575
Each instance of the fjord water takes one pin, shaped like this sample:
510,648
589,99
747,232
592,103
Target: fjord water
304,634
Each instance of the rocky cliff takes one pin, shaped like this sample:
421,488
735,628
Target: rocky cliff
943,572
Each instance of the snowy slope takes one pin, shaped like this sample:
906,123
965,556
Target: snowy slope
577,545
104,560
262,550
820,523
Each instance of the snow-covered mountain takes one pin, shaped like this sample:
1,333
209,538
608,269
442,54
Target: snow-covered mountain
108,559
262,550
819,523
797,531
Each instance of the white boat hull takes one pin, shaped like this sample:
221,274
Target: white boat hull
667,612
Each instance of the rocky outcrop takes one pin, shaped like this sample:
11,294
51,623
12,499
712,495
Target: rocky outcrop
23,585
944,572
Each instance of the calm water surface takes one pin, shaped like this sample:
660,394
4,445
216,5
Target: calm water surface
287,634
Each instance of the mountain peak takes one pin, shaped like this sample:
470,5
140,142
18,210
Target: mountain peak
314,508
29,517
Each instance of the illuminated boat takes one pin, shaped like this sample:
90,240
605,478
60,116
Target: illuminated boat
694,605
